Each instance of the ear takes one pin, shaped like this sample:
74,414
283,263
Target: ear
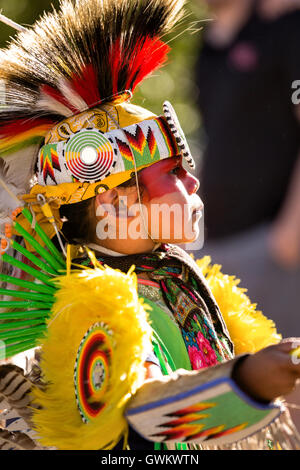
105,203
121,199
108,197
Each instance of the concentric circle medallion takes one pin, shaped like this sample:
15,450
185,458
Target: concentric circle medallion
89,155
92,371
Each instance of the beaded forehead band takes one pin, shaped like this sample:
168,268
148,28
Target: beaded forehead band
105,159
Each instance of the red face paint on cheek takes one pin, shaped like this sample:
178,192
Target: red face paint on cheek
160,179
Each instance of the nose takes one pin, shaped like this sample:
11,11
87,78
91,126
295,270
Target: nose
192,184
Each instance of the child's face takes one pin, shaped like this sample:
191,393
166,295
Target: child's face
173,207
169,203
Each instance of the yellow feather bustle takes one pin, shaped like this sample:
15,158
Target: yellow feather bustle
249,329
105,297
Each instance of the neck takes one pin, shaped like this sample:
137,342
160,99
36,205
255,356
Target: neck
103,250
124,247
230,16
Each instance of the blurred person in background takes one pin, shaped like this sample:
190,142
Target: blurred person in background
250,179
247,76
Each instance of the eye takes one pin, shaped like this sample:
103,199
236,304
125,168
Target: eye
175,170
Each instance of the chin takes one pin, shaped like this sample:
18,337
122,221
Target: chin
181,241
192,236
182,237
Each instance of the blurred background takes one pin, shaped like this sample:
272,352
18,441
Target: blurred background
230,78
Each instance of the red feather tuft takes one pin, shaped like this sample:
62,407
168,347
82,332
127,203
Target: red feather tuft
148,55
86,85
18,126
56,95
152,55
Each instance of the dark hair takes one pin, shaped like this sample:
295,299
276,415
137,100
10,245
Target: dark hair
79,221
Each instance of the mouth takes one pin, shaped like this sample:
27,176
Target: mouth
197,213
198,209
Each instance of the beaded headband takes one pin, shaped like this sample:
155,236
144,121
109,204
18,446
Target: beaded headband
103,160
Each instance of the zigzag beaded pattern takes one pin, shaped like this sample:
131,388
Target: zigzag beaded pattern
173,123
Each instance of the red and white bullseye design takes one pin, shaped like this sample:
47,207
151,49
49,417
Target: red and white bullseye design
92,371
89,155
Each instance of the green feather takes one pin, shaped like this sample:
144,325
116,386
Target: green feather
24,314
36,261
19,347
27,269
22,332
27,295
40,232
39,249
17,324
27,284
24,304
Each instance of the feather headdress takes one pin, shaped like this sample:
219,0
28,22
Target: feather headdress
83,55
88,53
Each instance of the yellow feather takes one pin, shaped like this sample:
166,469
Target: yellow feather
9,142
249,329
85,298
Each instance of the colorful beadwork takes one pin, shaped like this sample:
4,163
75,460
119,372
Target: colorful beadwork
199,413
175,127
204,340
89,155
49,162
91,373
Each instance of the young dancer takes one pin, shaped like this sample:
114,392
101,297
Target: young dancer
104,186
